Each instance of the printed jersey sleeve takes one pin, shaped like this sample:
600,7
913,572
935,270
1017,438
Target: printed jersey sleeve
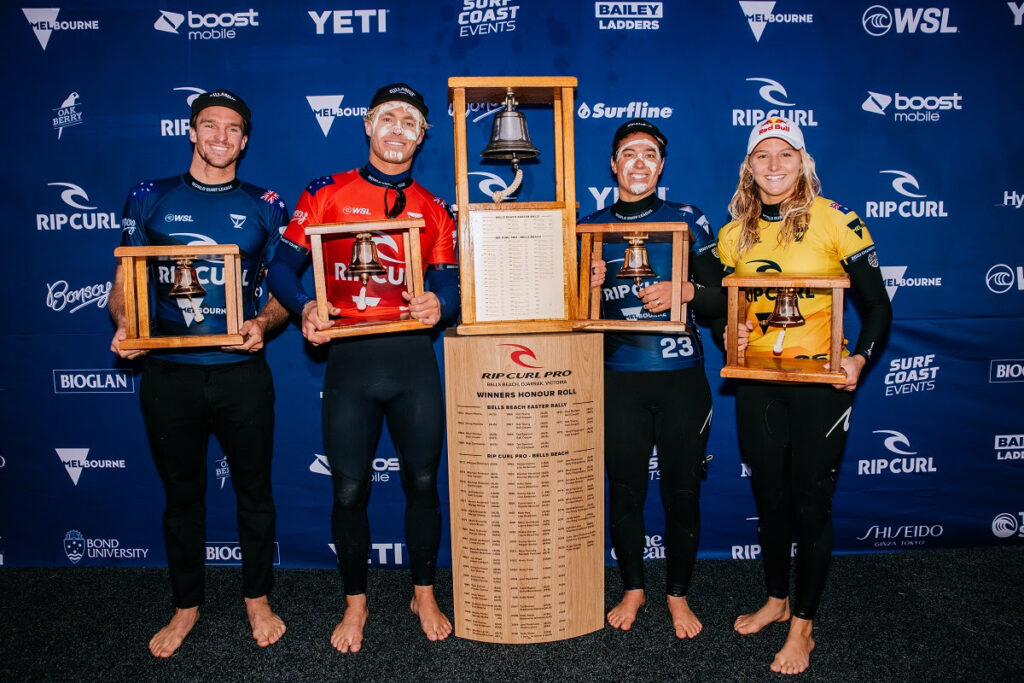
443,230
852,239
701,232
136,210
727,246
308,211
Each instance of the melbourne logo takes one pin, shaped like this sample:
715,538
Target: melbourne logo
915,206
760,14
77,546
1000,278
327,108
774,93
911,374
1009,446
478,17
60,296
893,277
879,20
1006,525
93,382
643,110
912,108
209,26
636,16
87,218
179,127
520,353
1006,370
77,459
44,22
68,114
347,21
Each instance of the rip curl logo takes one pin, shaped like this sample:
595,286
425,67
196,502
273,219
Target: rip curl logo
770,89
490,183
71,194
523,351
895,442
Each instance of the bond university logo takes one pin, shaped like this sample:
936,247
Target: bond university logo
777,103
327,108
74,546
44,22
77,546
879,20
760,14
67,114
636,16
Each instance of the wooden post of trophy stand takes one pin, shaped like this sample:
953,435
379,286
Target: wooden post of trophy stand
591,241
740,366
135,271
354,327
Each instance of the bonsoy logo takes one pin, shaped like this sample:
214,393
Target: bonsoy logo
878,20
44,22
916,206
759,14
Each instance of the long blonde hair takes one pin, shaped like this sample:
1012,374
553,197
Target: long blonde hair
746,205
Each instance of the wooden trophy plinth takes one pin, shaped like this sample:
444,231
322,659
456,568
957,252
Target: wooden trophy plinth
355,327
135,271
740,366
592,238
517,260
526,481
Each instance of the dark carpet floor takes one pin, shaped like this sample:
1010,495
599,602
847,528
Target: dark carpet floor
943,615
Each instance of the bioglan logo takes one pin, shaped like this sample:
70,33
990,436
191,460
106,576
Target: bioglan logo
911,374
383,468
643,110
208,26
229,553
879,20
77,459
1001,278
635,16
893,277
348,21
44,22
327,108
1006,370
67,114
1006,525
100,381
77,546
916,206
774,93
912,108
1009,447
478,17
60,296
85,219
898,444
760,14
179,127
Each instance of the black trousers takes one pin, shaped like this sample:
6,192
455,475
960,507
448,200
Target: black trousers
367,380
670,409
182,406
792,436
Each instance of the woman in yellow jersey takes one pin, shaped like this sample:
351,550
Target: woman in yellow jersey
792,435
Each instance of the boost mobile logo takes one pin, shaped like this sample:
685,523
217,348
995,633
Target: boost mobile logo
878,20
921,108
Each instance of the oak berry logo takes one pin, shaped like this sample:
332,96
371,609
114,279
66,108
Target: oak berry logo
523,351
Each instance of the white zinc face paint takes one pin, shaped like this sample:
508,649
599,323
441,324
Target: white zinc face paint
635,145
380,129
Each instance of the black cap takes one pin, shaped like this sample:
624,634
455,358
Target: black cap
402,93
639,126
223,98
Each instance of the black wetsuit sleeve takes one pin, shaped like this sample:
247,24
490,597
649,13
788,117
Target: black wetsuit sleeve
876,310
709,298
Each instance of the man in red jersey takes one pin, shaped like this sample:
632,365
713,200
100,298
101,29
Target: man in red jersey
389,375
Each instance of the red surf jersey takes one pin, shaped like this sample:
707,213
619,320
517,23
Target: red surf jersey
348,198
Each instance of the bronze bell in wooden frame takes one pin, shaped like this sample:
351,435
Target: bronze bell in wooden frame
186,285
635,263
510,138
365,262
787,310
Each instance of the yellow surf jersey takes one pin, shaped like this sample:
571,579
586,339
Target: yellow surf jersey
835,235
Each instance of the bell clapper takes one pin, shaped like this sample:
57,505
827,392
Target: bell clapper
361,301
777,349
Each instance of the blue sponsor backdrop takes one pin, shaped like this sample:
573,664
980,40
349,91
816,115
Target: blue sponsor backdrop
910,110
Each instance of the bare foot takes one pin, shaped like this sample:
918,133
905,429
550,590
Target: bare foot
775,610
683,619
433,621
348,635
623,614
267,627
168,639
795,655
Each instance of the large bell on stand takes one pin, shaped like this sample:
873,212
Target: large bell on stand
510,139
635,263
186,285
365,263
785,314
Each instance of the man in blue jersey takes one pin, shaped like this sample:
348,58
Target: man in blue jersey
656,393
188,394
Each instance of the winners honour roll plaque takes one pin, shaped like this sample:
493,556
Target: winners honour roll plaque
525,463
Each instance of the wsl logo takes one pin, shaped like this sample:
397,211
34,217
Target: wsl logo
1006,525
911,374
327,108
67,114
774,93
912,108
915,206
487,16
179,127
86,218
760,14
635,16
879,20
349,21
1001,278
44,22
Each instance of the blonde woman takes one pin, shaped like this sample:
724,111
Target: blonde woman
792,435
